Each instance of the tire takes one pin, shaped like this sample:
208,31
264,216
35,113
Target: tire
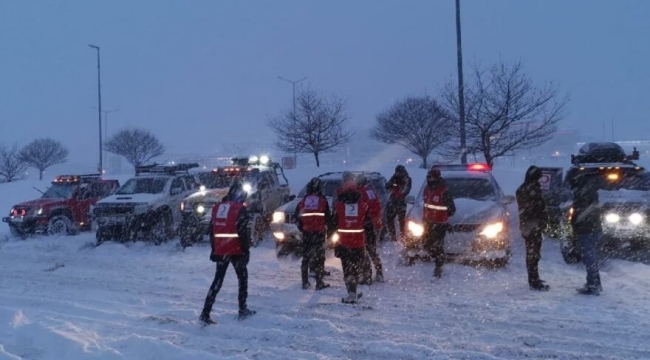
101,236
59,225
256,228
162,230
189,239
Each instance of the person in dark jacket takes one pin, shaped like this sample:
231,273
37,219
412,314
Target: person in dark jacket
438,207
313,219
230,238
586,223
533,220
399,187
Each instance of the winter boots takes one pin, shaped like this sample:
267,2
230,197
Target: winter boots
437,273
539,285
352,298
306,285
206,320
322,285
246,312
590,290
379,277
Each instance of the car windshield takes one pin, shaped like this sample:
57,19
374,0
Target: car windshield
329,187
143,186
222,180
60,191
469,188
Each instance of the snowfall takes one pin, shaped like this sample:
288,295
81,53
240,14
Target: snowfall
64,298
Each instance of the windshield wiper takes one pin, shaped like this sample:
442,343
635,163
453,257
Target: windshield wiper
39,190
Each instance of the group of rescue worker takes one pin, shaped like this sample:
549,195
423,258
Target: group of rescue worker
356,219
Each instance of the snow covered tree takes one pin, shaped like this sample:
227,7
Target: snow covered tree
505,111
43,153
317,126
419,124
12,166
137,146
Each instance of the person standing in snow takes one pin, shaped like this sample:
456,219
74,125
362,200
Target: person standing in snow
438,207
586,223
351,210
231,240
372,231
399,187
533,220
313,216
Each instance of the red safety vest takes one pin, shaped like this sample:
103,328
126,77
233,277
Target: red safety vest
312,213
374,206
225,239
396,190
350,220
435,209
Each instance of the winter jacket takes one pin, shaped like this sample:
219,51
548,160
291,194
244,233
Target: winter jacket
533,217
430,192
328,214
243,233
399,187
351,227
586,218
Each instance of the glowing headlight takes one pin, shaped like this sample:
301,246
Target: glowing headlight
253,159
278,217
491,231
335,238
248,188
612,218
636,218
264,159
39,211
416,229
200,209
279,235
202,188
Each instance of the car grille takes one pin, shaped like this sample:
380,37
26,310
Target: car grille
113,209
465,227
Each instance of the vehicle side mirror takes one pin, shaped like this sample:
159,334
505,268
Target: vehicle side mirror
176,191
292,197
410,199
508,199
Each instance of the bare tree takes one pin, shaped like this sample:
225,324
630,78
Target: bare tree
137,146
418,124
505,111
43,153
317,126
12,166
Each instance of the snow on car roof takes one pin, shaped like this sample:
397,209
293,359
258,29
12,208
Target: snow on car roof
339,174
466,174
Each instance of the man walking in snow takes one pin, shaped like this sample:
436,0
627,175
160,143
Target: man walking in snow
438,206
533,220
230,239
372,231
399,187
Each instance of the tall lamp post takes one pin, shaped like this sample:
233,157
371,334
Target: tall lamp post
99,112
295,155
461,88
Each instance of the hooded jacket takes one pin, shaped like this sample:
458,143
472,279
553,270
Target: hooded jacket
532,206
586,218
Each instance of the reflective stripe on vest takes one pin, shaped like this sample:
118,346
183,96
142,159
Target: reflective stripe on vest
436,207
350,231
226,235
313,214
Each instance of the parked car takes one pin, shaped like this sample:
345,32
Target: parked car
63,207
264,181
147,206
479,231
288,239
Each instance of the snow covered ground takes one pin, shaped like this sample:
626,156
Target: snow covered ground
62,298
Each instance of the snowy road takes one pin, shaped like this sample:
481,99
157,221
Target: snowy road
142,302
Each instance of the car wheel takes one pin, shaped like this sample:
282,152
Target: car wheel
256,228
101,236
59,225
162,229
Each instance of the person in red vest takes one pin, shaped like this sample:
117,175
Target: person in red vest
230,239
438,207
351,210
399,187
313,216
372,231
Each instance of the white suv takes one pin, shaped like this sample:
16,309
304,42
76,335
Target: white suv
147,206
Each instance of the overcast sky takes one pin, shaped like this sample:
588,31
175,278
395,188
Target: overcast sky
200,73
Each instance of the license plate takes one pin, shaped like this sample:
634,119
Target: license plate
16,219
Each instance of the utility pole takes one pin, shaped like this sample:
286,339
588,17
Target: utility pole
293,83
106,112
99,112
461,88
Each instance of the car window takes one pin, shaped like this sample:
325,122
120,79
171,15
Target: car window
143,186
273,178
191,183
177,183
329,187
469,188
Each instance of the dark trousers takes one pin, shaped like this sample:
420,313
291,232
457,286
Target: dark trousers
239,262
434,242
313,256
372,256
352,261
590,244
533,242
395,209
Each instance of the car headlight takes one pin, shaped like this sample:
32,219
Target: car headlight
39,211
278,217
279,235
636,218
415,229
335,238
491,231
202,188
248,188
612,218
200,209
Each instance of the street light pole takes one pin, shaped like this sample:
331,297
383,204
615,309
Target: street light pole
461,88
293,83
106,112
99,112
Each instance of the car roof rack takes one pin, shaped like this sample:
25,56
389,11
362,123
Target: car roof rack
165,169
76,178
371,173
